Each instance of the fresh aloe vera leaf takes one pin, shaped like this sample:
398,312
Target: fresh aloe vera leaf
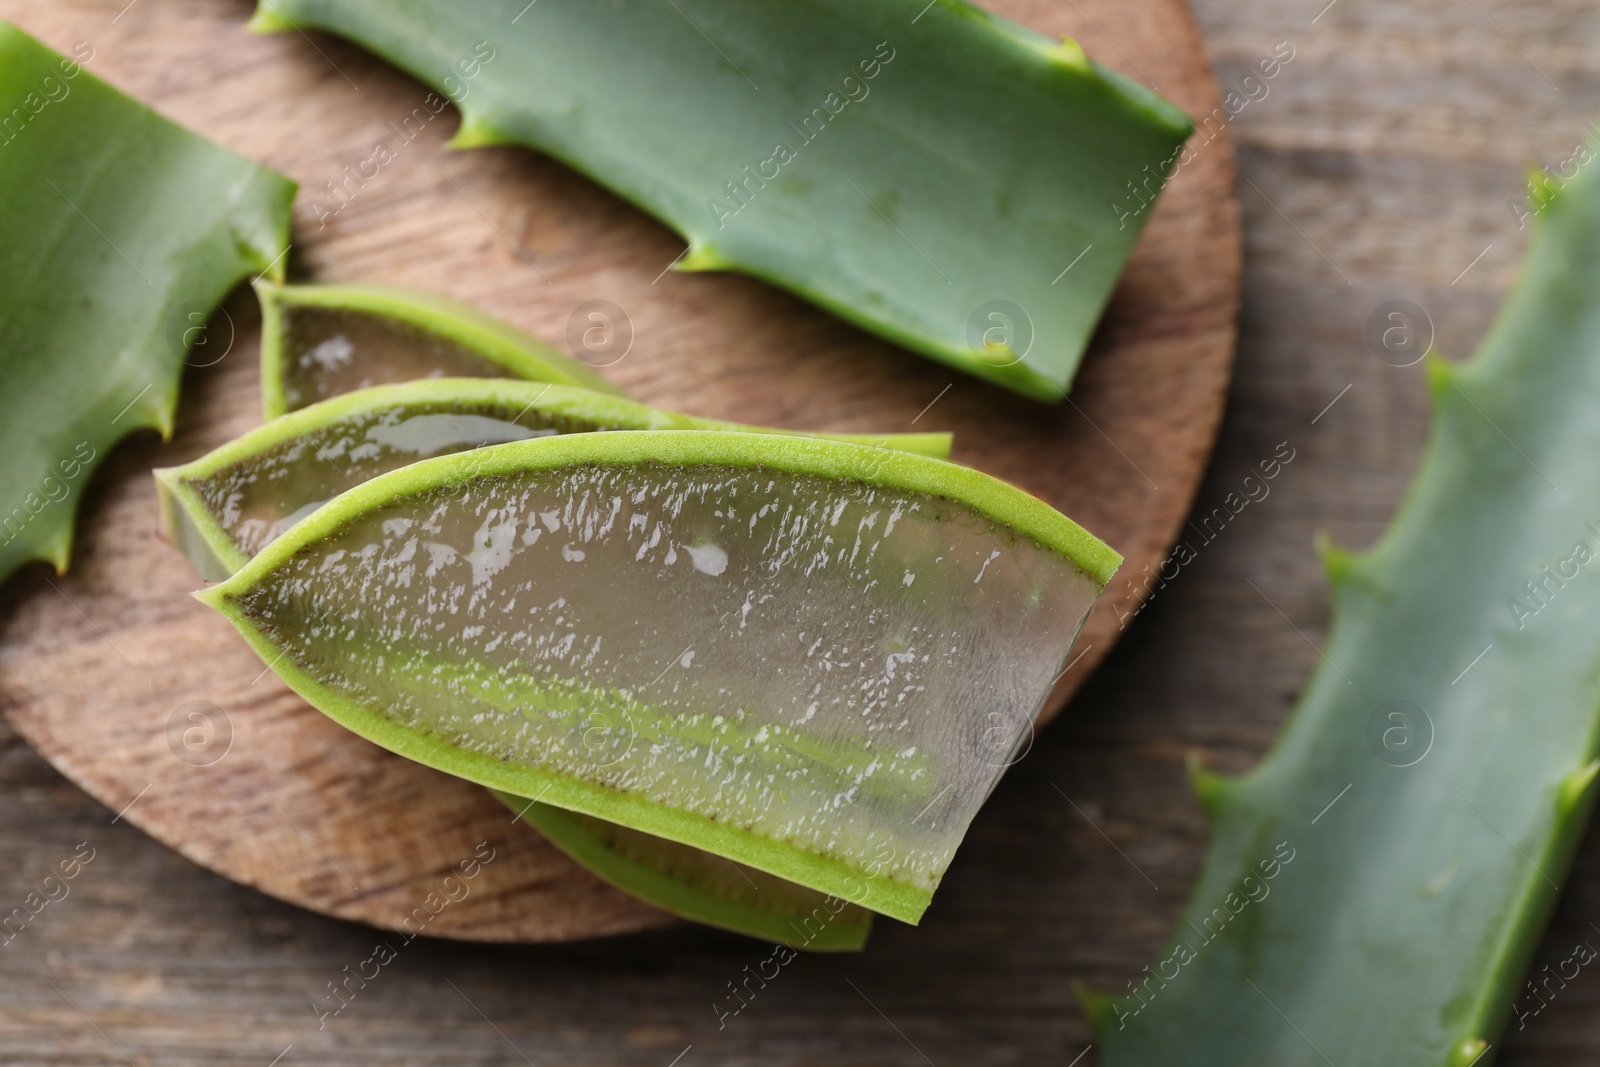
1374,890
792,652
697,885
226,506
926,171
119,235
318,341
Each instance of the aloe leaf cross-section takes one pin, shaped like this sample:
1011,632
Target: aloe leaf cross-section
938,175
120,233
318,341
230,503
1374,889
812,657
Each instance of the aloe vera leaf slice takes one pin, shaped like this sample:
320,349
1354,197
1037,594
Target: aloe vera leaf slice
699,886
810,641
318,341
120,232
223,507
1427,811
926,171
226,506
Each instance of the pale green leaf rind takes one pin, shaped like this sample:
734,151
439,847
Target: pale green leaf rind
655,887
1399,933
519,354
188,523
120,233
1024,514
975,163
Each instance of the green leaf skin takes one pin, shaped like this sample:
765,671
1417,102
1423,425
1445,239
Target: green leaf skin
412,334
460,706
1399,932
207,505
119,235
699,886
976,163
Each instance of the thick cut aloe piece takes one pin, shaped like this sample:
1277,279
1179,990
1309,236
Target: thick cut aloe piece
318,341
811,657
940,176
697,885
119,234
1374,890
226,506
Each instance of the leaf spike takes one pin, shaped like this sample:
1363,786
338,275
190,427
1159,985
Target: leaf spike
1543,188
1441,373
476,131
1069,53
1338,562
268,19
1570,794
1468,1052
162,411
1100,1008
57,551
703,257
1211,787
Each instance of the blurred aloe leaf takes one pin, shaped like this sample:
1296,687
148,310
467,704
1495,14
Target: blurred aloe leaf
120,233
1375,888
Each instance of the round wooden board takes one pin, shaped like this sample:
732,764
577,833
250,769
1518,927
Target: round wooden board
98,670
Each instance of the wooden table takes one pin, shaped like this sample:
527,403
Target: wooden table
1378,166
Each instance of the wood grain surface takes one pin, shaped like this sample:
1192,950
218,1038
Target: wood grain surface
105,670
1379,166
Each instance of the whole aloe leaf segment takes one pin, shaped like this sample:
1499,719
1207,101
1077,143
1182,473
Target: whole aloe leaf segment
699,886
811,657
226,506
120,232
318,341
929,172
1374,890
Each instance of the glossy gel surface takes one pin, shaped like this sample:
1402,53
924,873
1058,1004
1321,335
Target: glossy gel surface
832,664
328,351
